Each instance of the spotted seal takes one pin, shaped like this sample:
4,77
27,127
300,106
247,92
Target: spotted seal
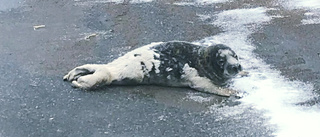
175,63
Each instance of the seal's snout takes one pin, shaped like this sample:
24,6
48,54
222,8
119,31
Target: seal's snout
239,68
234,69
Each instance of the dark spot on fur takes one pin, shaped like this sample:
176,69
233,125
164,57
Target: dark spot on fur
155,57
207,58
143,67
153,67
136,55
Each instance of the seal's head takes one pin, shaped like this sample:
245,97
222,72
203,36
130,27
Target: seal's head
226,61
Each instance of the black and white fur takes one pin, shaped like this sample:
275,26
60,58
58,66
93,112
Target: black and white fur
178,64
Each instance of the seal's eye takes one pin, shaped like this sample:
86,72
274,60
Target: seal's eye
221,62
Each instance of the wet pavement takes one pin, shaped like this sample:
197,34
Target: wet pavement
292,48
35,101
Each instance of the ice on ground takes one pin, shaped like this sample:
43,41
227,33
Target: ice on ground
267,89
312,16
93,2
298,4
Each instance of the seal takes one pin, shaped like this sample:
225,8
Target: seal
174,63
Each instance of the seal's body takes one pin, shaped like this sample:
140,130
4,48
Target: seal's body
178,64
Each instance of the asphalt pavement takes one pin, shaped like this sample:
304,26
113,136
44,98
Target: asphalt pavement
35,101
